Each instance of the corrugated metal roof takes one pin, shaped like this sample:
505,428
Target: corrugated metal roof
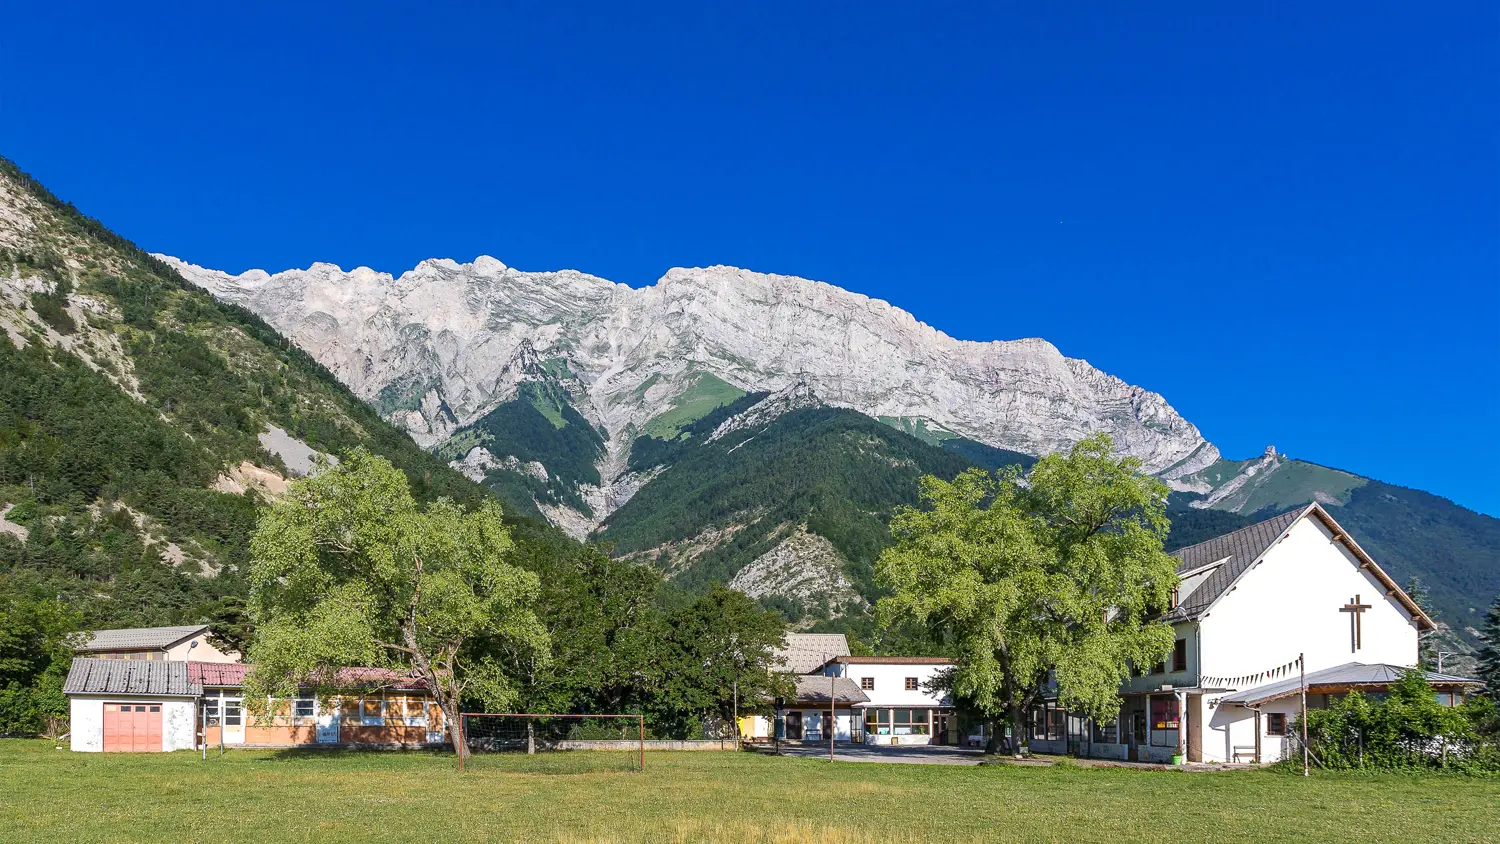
806,652
138,637
130,677
815,689
1349,674
232,674
1238,549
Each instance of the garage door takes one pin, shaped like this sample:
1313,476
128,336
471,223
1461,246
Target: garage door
132,727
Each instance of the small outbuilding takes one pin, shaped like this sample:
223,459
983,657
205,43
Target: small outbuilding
119,705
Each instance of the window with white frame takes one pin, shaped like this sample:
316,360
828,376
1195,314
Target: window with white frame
211,711
303,707
233,713
372,711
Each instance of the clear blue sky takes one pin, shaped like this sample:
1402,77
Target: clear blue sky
1287,222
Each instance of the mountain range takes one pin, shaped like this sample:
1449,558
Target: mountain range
721,425
644,417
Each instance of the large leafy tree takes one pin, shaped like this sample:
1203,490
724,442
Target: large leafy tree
36,639
349,570
1059,573
721,644
606,633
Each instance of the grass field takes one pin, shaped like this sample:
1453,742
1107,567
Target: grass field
49,795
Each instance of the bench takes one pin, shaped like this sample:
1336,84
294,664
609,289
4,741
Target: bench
1246,750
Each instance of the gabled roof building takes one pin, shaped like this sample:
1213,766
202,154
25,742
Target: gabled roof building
1252,610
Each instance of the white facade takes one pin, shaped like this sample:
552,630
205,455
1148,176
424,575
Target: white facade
1294,600
896,686
86,723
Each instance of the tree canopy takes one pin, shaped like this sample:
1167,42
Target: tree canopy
1061,573
347,569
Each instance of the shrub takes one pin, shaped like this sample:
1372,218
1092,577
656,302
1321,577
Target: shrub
1407,729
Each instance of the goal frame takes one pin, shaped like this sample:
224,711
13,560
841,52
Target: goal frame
640,721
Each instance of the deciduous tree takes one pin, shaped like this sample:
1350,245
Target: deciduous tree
349,570
1060,573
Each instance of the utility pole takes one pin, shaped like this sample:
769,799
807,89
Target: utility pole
1440,655
1302,666
736,713
832,718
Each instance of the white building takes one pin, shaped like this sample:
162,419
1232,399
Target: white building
131,705
902,706
1250,604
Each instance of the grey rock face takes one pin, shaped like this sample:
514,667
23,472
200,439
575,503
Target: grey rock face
440,338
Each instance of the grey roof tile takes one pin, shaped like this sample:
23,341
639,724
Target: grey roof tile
1241,548
815,689
138,637
130,677
806,652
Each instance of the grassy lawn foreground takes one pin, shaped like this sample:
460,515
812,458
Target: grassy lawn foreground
50,795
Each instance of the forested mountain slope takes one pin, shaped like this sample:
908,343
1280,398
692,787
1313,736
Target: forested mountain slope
142,421
779,496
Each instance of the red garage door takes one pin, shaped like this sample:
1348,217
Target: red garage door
132,727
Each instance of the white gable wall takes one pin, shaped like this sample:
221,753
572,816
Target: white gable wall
1289,604
890,683
1286,605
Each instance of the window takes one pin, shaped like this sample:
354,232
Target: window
1179,655
1275,724
1164,721
232,713
415,710
1055,722
1159,667
911,684
211,711
156,709
1176,596
1106,733
867,683
302,707
370,711
896,722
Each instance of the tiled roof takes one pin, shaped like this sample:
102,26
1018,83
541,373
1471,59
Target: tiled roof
806,652
130,677
1238,549
1377,675
138,638
815,689
230,674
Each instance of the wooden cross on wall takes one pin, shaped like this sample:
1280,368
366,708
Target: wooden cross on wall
1355,610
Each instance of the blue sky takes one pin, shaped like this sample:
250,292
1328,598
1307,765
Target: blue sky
1286,221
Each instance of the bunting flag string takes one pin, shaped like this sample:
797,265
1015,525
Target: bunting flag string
1251,680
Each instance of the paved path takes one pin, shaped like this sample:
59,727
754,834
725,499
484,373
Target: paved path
929,755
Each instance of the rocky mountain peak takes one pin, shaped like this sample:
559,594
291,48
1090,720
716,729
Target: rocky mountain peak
798,396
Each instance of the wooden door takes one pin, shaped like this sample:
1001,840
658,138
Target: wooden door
1193,723
794,726
132,728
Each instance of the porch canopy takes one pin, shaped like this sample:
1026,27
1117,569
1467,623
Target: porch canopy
1348,677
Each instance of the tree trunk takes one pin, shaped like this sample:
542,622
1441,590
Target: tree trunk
1017,728
455,724
992,741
